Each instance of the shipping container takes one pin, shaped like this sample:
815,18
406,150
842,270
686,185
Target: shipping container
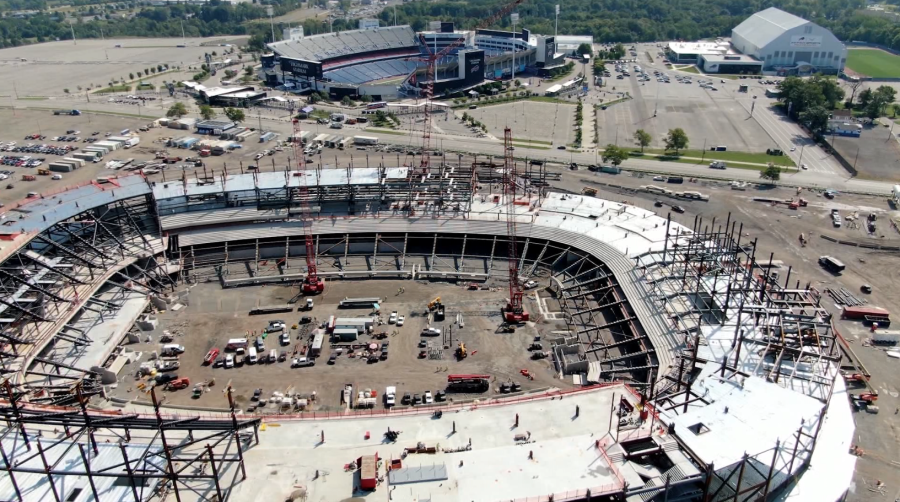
862,311
345,334
886,337
316,348
57,167
77,162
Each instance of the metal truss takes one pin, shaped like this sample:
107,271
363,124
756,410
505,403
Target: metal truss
54,277
197,457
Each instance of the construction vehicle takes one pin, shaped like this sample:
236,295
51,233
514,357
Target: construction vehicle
514,311
866,397
181,383
589,191
28,177
43,172
468,383
312,284
461,352
434,303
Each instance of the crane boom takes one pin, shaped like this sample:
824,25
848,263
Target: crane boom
431,74
312,284
515,310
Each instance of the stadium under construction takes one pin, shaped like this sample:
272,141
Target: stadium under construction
698,375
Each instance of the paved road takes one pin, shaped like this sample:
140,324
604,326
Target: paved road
821,179
787,134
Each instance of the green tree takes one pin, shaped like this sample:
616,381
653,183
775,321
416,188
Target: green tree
234,114
771,173
248,71
585,49
642,138
865,97
207,112
230,74
816,119
131,76
614,155
676,140
177,110
346,101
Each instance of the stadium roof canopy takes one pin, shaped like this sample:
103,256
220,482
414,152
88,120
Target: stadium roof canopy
334,45
765,26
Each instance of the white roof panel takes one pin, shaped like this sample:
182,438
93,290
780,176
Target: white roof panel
767,25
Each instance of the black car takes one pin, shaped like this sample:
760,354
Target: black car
561,147
440,396
256,395
417,399
406,399
220,361
332,359
678,209
165,378
658,203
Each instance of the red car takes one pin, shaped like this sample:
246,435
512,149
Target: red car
211,356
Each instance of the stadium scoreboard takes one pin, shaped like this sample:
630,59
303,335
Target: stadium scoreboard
301,67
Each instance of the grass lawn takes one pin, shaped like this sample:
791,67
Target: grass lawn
689,69
753,158
529,145
114,88
523,140
874,63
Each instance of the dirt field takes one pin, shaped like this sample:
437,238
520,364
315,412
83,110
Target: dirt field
215,315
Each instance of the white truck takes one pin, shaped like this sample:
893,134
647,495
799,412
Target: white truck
886,337
717,164
390,396
365,140
132,141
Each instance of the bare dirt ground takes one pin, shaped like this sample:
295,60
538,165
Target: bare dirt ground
215,315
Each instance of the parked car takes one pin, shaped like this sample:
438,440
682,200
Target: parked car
400,320
229,361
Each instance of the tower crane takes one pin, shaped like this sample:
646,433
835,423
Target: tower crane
515,310
312,284
431,58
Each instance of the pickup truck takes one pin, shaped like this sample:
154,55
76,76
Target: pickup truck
390,396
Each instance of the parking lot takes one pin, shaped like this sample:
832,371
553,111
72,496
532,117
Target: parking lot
215,315
710,115
37,70
550,123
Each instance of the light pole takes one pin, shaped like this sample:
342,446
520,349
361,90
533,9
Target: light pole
515,19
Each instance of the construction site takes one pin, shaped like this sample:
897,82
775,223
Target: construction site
192,337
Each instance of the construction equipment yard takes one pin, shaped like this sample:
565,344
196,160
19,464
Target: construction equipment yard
215,315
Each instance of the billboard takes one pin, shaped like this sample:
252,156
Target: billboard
806,41
301,67
474,67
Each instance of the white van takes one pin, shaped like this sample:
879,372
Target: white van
251,357
173,348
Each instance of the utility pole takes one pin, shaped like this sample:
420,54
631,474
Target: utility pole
515,19
72,27
183,38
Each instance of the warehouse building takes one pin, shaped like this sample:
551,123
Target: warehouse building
789,44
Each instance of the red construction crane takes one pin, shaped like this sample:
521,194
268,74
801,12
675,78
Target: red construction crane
514,311
313,284
431,60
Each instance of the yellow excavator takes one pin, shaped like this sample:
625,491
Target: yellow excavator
434,303
461,352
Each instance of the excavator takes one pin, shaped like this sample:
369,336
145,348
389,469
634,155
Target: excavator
461,352
433,304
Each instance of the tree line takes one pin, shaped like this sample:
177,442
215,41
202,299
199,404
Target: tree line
608,22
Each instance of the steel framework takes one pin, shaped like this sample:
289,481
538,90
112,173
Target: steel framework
78,449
